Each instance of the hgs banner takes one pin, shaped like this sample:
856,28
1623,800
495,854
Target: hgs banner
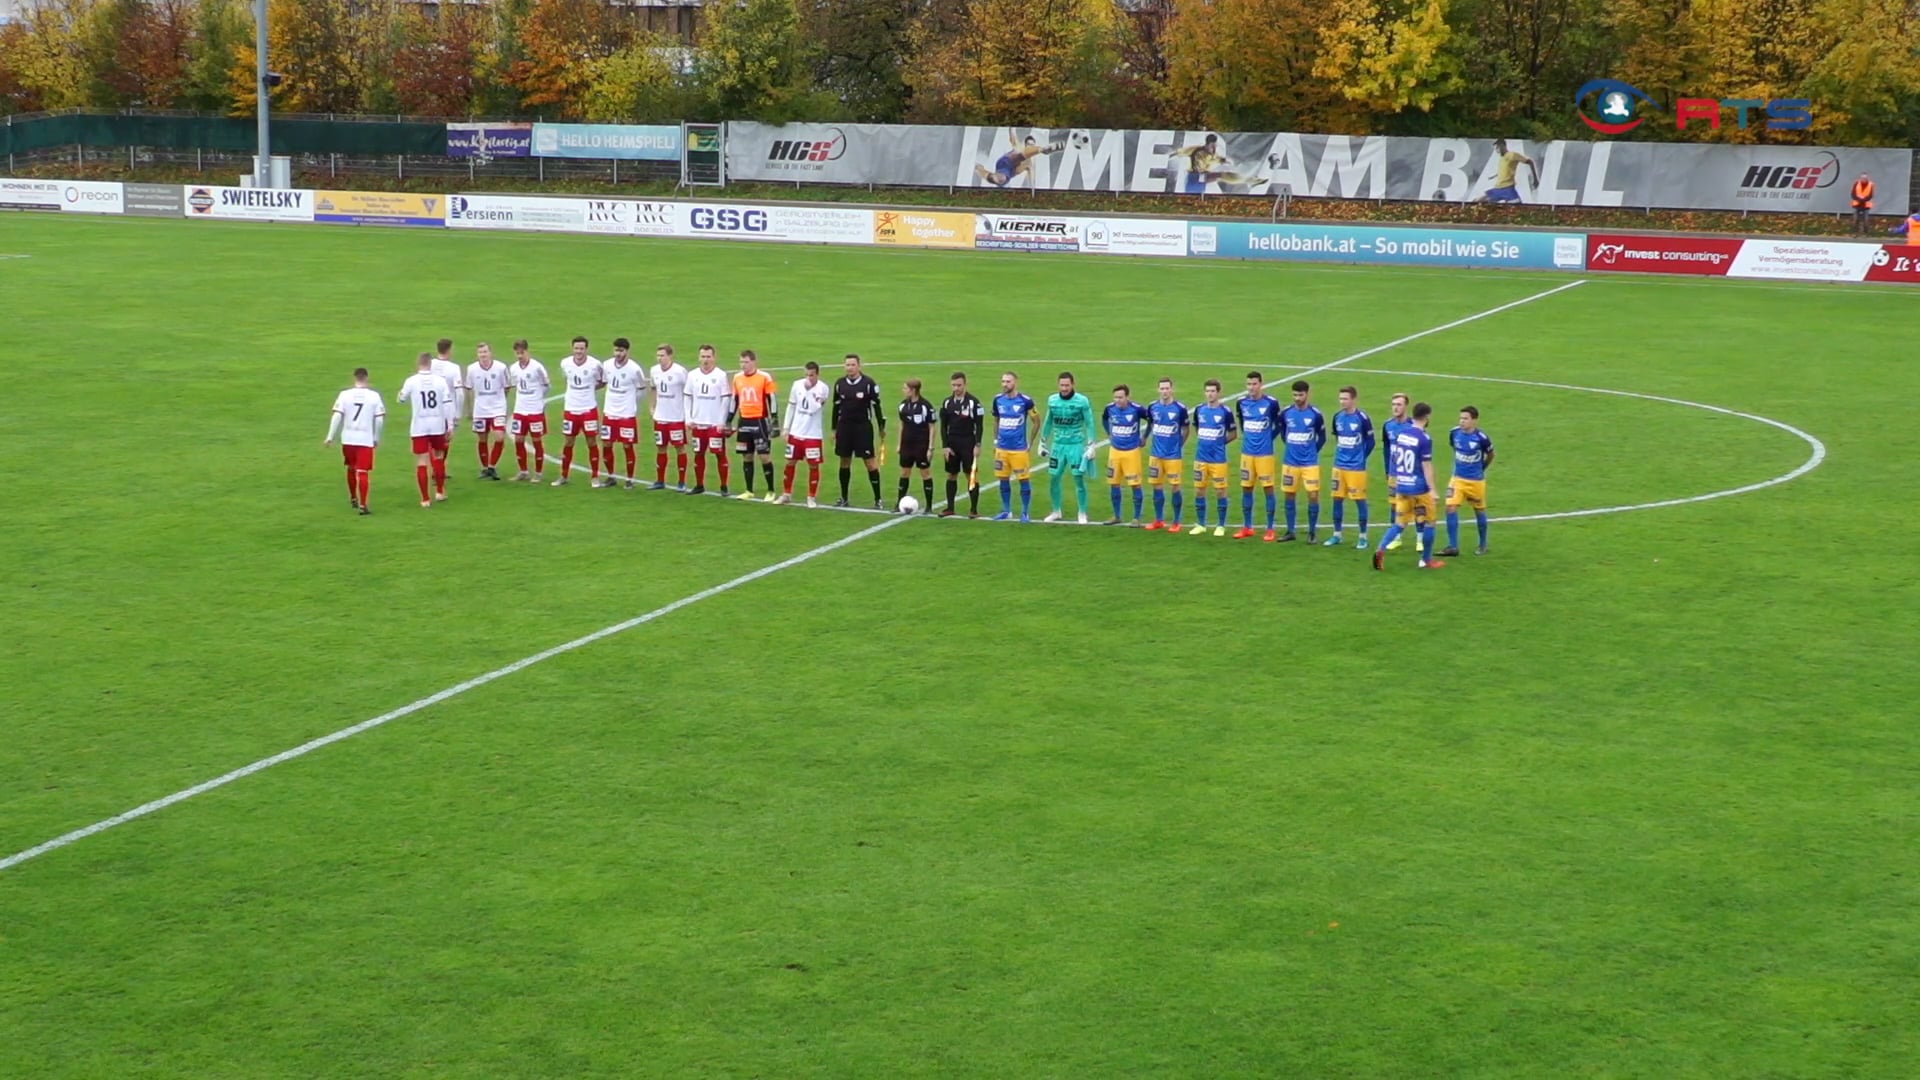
1809,179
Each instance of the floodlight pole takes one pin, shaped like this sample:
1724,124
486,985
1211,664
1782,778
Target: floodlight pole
263,160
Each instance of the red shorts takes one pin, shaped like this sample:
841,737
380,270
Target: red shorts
576,423
667,432
709,440
484,424
427,444
622,429
357,457
804,448
534,424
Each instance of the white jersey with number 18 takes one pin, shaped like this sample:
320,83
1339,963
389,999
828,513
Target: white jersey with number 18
427,394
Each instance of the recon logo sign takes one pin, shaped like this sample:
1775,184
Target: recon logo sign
807,155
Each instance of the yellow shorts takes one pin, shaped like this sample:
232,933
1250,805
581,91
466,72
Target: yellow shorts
1163,471
1350,484
1256,470
1294,477
1413,509
1471,492
1123,466
1210,474
1015,464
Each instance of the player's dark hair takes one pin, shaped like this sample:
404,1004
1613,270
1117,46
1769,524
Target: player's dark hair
1068,375
519,343
854,356
708,348
1300,386
445,344
1470,411
961,375
1168,379
478,345
1123,388
622,343
813,367
665,348
1351,390
423,358
748,354
913,385
1210,140
1256,375
1212,384
1422,410
579,339
359,373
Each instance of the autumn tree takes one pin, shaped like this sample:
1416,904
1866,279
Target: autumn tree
1388,56
1866,83
1529,55
560,41
51,62
219,27
860,53
314,44
1247,65
435,62
637,85
1051,63
755,61
15,95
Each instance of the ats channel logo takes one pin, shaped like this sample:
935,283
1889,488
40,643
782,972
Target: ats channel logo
1612,107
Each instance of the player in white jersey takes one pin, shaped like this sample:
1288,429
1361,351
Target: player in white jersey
530,388
426,393
359,418
583,377
709,403
806,427
669,381
487,403
626,384
447,368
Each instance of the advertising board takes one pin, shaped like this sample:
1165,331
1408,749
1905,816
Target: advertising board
379,208
249,204
1661,254
1803,260
1390,246
1025,232
527,213
924,228
624,142
68,196
800,224
1133,236
155,200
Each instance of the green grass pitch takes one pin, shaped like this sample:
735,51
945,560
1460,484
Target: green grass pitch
1633,796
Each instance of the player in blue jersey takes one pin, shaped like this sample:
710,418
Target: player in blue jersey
1352,446
1167,421
1213,430
1014,416
1306,433
1396,421
1410,468
1259,417
1125,423
1472,456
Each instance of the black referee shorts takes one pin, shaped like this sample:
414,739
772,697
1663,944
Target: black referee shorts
960,462
855,442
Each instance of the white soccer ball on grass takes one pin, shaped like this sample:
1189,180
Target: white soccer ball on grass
909,505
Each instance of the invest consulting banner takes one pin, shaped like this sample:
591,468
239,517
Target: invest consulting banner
623,142
1627,174
1389,245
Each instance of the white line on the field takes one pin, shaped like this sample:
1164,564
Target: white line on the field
456,690
1818,454
410,708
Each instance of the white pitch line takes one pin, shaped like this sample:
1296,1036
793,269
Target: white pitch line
410,708
1814,459
456,690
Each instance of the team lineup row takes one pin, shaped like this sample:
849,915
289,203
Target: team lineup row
704,407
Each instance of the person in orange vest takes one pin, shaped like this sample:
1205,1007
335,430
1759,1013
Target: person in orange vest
1909,228
1862,203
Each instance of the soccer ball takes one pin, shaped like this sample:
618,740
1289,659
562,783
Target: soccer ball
1079,139
909,505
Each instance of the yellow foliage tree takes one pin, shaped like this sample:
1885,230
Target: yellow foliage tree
316,45
50,64
1046,63
1866,84
1385,58
1247,65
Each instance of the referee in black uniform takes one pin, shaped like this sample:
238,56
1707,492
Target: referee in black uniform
856,412
963,424
916,443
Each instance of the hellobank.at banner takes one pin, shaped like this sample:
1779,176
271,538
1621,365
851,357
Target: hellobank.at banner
1390,246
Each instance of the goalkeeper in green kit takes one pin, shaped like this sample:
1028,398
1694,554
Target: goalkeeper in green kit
1066,439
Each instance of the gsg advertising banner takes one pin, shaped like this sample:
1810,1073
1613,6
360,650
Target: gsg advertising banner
1389,245
250,204
69,196
1710,255
801,224
624,142
1569,173
380,208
